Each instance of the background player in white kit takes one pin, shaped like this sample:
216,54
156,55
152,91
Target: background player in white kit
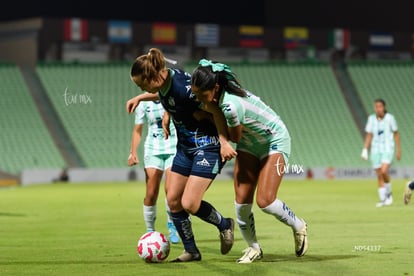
158,155
382,136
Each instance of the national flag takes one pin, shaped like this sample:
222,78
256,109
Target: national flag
75,29
381,41
206,35
164,33
251,36
119,31
295,37
340,39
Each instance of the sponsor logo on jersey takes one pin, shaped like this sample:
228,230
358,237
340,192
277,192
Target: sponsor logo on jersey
226,107
203,163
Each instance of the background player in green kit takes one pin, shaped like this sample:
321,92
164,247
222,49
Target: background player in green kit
158,155
382,135
263,146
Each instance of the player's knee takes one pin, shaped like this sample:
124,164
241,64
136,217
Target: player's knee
174,203
189,205
264,201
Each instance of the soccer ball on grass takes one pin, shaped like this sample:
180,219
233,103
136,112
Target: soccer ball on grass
153,247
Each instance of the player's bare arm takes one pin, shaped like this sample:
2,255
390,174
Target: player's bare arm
166,124
367,143
227,151
134,102
398,143
135,141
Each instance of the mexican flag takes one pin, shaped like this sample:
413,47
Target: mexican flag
339,39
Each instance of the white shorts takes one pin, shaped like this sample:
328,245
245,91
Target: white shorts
161,162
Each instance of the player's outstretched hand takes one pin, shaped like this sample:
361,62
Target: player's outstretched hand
132,104
364,154
132,160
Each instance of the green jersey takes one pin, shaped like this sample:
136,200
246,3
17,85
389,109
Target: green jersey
261,124
151,113
382,132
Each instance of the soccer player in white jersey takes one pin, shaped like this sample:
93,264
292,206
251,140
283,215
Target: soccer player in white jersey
158,155
263,146
382,136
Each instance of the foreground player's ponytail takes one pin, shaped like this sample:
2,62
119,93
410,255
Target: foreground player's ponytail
209,73
149,66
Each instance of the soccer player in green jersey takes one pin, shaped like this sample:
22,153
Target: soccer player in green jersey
263,148
158,155
382,136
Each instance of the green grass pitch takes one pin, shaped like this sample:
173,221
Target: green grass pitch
92,229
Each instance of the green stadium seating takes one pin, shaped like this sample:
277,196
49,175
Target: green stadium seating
308,99
93,111
394,82
25,141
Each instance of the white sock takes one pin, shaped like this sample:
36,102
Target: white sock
150,214
283,213
382,192
168,211
387,187
245,220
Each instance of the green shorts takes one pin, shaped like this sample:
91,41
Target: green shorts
161,162
379,158
261,151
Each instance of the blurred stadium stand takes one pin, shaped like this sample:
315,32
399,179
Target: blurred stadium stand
64,93
308,99
25,140
89,100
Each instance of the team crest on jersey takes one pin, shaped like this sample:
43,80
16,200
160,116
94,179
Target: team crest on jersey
171,101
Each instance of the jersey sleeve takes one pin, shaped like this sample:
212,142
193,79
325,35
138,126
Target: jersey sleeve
368,126
140,114
393,124
233,112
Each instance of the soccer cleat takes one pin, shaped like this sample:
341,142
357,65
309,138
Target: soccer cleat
407,194
388,201
172,232
380,204
301,240
187,257
250,255
227,238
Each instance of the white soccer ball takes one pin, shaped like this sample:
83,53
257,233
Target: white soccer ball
153,247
